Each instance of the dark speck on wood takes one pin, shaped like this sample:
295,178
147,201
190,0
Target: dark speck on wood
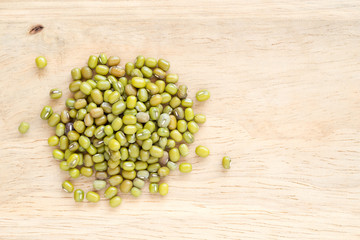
36,29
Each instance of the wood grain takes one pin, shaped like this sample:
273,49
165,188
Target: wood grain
284,79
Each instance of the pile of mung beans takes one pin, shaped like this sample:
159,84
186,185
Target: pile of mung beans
126,126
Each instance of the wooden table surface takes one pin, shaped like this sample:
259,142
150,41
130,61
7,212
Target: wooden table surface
284,80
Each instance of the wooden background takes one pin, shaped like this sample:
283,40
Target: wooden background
284,80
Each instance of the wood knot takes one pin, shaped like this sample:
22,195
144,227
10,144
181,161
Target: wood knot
36,29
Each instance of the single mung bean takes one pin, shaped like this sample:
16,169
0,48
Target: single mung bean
103,58
75,86
175,102
179,113
165,97
97,112
80,115
74,173
115,180
152,160
152,88
63,143
153,187
128,166
126,186
142,117
140,60
74,146
55,93
129,67
164,159
163,171
184,150
92,196
171,165
202,151
86,171
108,130
103,85
176,135
102,70
154,113
92,62
67,186
136,192
226,162
53,140
80,103
41,62
170,143
99,184
181,126
174,154
173,123
142,174
200,118
163,189
136,73
185,167
159,73
118,107
73,160
107,108
130,112
101,175
72,113
53,120
168,110
46,113
193,127
78,195
91,150
23,127
101,166
76,73
171,88
115,201
187,103
113,61
114,145
153,167
188,137
98,158
146,71
163,132
64,116
117,71
155,151
163,64
86,72
131,102
58,154
182,91
202,95
138,82
189,114
172,78
64,166
150,62
164,120
155,137
154,177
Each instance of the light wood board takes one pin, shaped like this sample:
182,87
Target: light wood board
285,102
